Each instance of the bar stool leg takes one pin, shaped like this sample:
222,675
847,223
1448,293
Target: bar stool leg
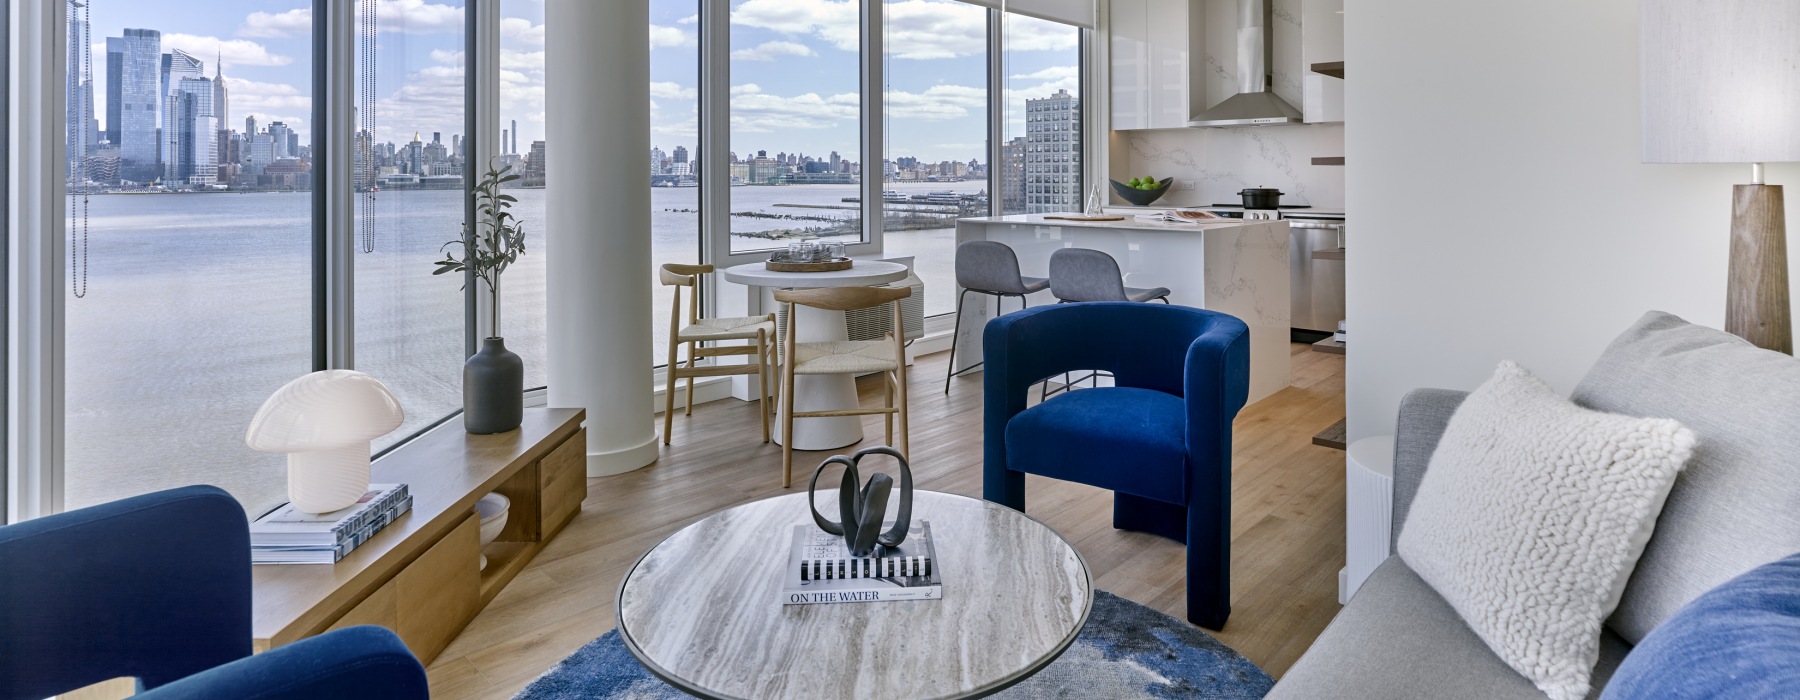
955,330
762,377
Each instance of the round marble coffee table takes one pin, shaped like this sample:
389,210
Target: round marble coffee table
702,609
819,392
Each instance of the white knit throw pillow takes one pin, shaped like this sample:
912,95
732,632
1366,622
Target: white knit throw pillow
1531,517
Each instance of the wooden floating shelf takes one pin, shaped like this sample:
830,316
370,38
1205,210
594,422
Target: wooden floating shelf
1335,437
1329,347
1328,254
1328,160
1334,69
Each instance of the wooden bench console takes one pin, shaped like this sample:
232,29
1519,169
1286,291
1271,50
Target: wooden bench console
421,576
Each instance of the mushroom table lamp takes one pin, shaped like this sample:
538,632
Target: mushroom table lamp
325,421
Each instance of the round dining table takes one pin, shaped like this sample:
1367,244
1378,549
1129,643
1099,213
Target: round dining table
819,392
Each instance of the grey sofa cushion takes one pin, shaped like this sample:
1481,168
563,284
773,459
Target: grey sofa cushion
1397,639
1737,505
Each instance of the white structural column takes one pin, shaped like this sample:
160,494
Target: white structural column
597,99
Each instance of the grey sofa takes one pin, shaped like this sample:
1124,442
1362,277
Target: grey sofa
1735,507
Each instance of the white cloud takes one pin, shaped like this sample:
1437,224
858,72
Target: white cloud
937,103
250,97
1053,73
430,100
671,37
770,50
754,111
672,91
1032,34
419,17
690,19
522,30
277,24
236,52
837,22
917,29
446,57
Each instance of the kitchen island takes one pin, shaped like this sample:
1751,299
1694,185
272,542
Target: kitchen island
1232,266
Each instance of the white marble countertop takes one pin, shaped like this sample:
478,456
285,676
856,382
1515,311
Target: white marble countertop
1130,222
1309,211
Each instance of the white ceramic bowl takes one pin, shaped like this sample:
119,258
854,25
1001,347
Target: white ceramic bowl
492,509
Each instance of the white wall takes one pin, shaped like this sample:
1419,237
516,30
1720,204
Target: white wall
1223,161
1501,211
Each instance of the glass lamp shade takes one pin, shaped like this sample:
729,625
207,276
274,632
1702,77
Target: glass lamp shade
1721,80
324,422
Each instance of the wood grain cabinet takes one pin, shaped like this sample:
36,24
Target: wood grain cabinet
421,576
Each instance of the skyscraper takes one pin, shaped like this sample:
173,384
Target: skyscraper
514,146
1053,154
656,160
177,66
133,99
81,132
222,118
279,131
192,134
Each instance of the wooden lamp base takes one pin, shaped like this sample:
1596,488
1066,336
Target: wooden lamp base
1756,297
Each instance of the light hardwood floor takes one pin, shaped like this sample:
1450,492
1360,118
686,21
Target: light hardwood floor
1287,524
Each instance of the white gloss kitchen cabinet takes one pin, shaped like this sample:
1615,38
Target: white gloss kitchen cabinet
1152,59
1322,41
1172,59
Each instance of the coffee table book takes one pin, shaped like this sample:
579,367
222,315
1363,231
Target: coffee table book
288,536
821,569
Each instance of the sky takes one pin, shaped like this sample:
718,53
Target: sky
794,77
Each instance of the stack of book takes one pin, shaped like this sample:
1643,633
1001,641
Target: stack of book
288,536
821,569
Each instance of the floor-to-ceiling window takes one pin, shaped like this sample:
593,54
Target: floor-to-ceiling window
795,113
674,158
189,232
935,167
522,151
1041,155
410,324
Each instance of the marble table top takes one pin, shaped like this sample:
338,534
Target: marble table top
862,273
702,610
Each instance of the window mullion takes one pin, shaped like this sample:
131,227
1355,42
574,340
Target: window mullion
874,99
334,197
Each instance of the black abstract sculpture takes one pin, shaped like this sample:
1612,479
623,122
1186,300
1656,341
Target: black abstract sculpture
862,506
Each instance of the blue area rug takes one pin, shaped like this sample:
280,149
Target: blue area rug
1126,651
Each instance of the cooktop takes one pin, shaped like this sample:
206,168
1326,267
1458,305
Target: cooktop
1240,205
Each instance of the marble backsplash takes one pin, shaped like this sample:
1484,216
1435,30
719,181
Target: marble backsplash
1223,161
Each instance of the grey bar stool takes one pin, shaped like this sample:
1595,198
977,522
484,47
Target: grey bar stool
1082,274
991,268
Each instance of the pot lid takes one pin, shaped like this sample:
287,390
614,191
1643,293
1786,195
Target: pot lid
1259,191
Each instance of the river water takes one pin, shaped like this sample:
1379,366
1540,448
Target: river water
198,306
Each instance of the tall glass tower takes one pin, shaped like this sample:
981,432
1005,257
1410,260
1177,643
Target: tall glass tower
193,133
133,101
177,66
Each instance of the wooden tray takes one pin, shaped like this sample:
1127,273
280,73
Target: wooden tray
827,266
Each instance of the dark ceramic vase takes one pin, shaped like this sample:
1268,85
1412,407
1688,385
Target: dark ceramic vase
493,389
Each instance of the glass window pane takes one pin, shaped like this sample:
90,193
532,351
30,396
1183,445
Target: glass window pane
795,132
191,277
675,153
936,125
522,290
409,322
1041,158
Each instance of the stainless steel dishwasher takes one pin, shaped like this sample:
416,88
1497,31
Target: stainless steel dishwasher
1317,284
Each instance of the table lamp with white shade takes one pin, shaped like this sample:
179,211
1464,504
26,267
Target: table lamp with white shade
1721,84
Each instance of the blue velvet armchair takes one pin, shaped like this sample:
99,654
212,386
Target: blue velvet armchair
157,588
1160,438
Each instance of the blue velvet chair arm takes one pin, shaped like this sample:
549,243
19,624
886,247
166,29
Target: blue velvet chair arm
155,587
352,663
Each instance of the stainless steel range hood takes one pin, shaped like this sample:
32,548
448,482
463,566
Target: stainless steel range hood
1255,104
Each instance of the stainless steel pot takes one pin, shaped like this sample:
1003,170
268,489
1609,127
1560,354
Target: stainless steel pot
1261,198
